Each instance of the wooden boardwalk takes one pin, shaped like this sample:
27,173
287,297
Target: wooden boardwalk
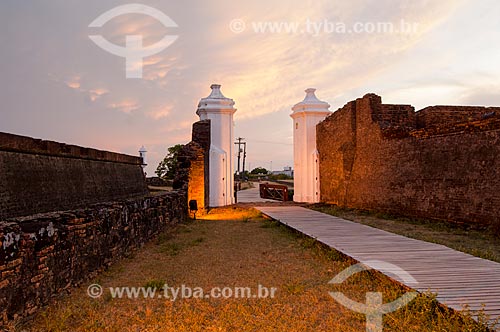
251,195
457,278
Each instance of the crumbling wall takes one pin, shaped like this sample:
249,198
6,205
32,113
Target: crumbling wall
446,170
194,161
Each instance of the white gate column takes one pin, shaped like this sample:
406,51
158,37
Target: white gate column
306,115
219,110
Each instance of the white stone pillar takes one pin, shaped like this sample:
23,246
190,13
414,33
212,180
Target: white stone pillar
219,110
142,154
306,115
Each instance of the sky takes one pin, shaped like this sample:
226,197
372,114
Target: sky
57,84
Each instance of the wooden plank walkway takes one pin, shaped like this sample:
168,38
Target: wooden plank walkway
457,278
251,195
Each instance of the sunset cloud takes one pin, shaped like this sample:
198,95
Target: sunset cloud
74,82
160,112
95,94
125,106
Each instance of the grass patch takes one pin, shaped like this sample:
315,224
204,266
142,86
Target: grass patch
294,288
270,224
171,248
197,241
155,284
307,242
163,237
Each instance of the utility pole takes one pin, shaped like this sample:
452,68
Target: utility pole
244,157
239,143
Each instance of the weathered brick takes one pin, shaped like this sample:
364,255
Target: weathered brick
8,273
441,162
37,278
14,263
4,283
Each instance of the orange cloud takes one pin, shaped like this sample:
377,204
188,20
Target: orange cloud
125,106
74,82
97,93
160,112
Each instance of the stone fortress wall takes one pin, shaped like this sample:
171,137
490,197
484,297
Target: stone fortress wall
442,162
39,176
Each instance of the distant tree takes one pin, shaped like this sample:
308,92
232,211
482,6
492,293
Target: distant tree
280,177
243,176
169,166
259,170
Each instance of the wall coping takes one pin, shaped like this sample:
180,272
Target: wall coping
29,145
457,108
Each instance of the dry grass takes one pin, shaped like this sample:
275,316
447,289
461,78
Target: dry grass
471,239
245,251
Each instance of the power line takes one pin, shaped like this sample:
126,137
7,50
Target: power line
269,142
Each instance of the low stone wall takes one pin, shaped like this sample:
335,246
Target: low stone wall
45,254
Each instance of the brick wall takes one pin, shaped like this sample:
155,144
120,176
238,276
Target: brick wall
394,115
194,159
44,255
39,176
447,115
201,136
442,169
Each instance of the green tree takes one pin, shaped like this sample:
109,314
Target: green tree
280,177
169,166
259,170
